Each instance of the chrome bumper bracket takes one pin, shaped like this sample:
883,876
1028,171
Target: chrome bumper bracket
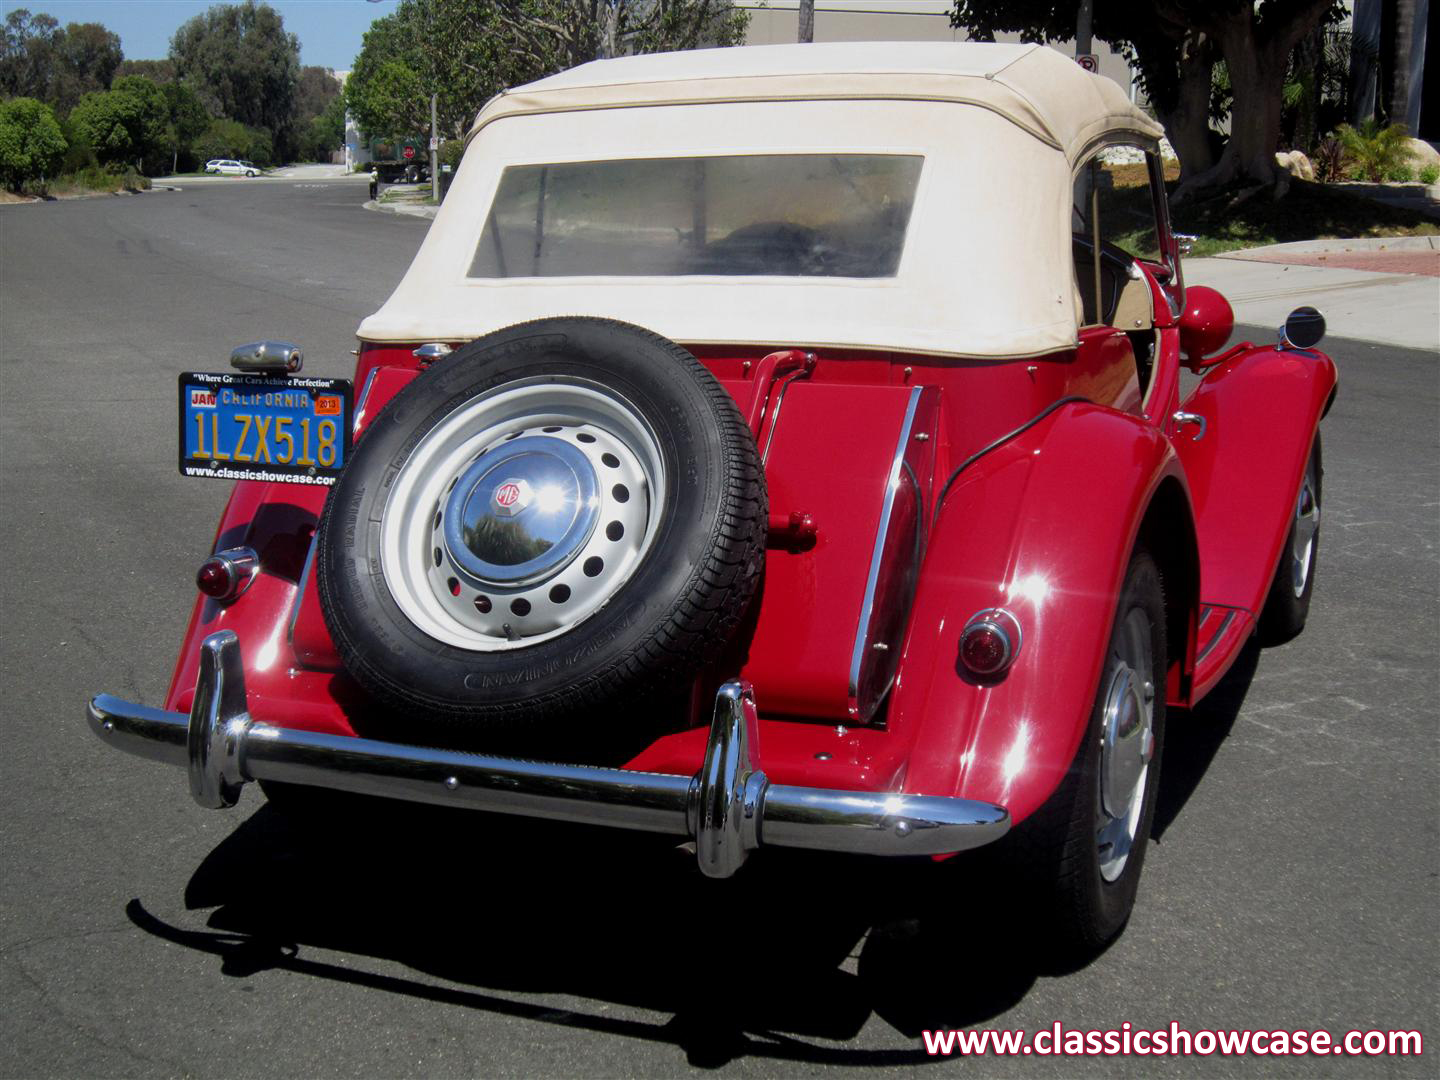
730,808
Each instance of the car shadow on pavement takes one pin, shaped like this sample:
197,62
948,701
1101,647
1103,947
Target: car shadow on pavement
787,961
501,908
1193,739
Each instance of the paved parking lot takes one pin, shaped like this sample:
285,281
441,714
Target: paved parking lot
1294,883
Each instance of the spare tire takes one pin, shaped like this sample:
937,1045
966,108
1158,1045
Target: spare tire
566,514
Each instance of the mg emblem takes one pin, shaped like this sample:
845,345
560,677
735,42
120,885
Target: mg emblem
511,497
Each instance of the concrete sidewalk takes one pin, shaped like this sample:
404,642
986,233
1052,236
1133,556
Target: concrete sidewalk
1385,290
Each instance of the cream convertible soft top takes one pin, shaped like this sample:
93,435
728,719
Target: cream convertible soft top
986,271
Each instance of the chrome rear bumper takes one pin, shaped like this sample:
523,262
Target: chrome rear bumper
729,808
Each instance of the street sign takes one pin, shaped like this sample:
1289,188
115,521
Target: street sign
434,143
1088,61
409,152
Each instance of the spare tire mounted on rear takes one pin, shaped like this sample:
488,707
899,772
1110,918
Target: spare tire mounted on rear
557,516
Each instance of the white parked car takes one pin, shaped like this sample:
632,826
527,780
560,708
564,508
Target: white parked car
231,167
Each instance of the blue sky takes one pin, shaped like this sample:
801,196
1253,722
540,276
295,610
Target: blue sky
329,30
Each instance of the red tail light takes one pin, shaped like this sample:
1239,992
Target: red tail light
227,574
990,642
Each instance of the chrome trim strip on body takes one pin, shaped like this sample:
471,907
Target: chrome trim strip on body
364,398
300,588
1209,646
892,482
729,808
773,423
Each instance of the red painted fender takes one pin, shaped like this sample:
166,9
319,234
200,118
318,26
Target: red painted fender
1043,526
1262,407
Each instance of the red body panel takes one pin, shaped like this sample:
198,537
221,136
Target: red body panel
1261,408
824,463
1043,524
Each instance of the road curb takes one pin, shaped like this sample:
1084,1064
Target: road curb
426,212
1364,244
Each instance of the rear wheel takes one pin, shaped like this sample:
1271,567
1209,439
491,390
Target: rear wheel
1287,607
1080,856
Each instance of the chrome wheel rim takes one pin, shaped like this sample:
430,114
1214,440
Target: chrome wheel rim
1127,744
1306,528
521,514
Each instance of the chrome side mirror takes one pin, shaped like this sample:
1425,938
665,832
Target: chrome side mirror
267,358
1303,329
1184,242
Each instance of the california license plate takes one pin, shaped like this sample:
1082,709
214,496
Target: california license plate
256,427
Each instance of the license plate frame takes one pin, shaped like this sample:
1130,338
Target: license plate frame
225,414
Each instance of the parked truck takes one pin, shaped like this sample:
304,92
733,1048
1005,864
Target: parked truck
401,160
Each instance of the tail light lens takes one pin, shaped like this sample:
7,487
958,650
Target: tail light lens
990,642
227,574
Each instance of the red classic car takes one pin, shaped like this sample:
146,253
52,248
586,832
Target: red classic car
769,447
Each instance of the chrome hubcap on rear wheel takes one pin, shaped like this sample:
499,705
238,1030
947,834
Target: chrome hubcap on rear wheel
1307,525
1127,744
521,513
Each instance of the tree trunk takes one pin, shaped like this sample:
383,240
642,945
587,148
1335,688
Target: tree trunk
1256,57
609,30
1400,37
806,31
1257,76
1187,125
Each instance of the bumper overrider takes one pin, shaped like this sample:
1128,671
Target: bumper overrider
729,808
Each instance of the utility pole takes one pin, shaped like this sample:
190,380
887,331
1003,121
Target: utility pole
434,153
1084,38
807,21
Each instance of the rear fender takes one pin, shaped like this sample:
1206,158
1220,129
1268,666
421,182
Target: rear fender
278,522
292,673
1043,526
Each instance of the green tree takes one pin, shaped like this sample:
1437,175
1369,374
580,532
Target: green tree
466,51
29,55
325,133
157,71
315,89
243,64
89,56
225,138
126,124
58,67
31,143
1175,44
186,120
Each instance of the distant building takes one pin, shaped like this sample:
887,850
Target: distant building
774,22
357,150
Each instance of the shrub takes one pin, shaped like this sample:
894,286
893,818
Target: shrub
1375,151
1329,160
32,146
125,124
1399,174
232,139
1430,175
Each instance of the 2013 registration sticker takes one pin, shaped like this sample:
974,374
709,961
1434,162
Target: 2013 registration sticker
268,427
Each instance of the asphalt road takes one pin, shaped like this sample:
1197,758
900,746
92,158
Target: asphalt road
1295,882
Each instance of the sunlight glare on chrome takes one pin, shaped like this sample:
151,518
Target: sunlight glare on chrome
550,498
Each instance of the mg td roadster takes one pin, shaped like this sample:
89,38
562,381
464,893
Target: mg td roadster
769,447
